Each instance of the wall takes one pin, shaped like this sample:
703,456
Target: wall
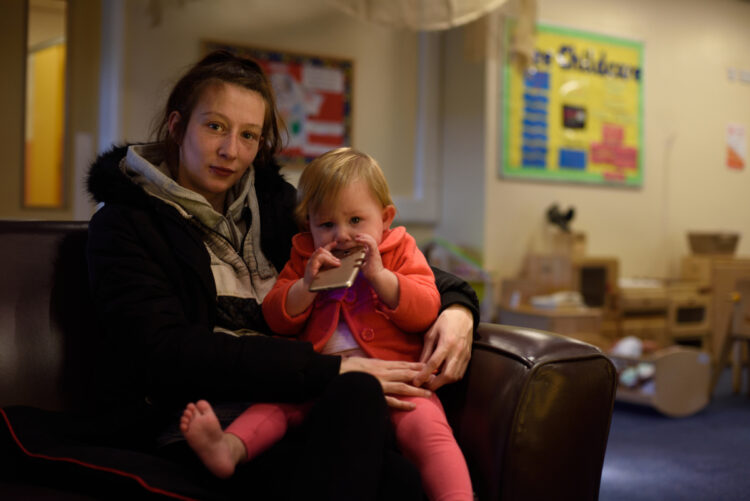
689,44
463,216
385,64
157,40
688,103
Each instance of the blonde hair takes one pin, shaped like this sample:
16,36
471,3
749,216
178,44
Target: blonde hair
322,180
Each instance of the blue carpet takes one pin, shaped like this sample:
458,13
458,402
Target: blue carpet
701,457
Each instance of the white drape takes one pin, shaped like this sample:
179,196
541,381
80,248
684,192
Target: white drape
431,15
419,14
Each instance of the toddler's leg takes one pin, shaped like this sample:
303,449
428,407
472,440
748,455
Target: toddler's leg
426,438
219,451
262,425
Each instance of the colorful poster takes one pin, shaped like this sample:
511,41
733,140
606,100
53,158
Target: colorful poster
576,114
736,146
313,94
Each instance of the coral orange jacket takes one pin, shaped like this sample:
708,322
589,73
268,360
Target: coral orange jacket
381,332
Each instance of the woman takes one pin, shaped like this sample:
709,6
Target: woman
192,233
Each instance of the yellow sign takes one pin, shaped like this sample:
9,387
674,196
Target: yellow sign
576,114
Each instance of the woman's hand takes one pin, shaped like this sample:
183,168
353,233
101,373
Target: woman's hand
447,348
395,378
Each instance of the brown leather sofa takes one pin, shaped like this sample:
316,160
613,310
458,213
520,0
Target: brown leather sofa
532,415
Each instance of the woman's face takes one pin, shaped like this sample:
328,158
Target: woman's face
221,140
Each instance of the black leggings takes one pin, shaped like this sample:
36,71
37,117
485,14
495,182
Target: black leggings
350,446
345,450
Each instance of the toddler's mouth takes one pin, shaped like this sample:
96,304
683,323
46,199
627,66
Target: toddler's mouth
345,252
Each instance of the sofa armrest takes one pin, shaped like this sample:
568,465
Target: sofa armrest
535,415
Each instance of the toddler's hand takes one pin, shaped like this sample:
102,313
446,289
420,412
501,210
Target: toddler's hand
382,279
373,264
322,258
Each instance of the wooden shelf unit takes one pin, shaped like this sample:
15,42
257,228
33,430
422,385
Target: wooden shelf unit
716,276
642,312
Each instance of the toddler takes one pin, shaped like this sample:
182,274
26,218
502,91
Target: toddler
344,203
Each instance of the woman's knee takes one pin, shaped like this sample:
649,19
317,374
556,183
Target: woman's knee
353,400
357,381
357,387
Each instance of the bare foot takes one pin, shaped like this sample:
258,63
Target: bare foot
219,451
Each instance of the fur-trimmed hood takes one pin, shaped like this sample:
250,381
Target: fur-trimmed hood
106,182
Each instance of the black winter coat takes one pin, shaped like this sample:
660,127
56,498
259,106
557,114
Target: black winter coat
151,281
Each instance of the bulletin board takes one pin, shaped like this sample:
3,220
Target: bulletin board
576,114
313,94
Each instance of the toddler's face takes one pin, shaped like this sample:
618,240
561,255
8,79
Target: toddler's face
354,211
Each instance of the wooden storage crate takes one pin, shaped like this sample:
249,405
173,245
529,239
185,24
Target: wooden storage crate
643,313
596,278
689,316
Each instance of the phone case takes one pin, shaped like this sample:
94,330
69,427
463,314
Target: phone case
341,276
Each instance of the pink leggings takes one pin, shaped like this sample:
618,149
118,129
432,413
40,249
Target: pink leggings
424,436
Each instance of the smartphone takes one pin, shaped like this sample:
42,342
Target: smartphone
341,276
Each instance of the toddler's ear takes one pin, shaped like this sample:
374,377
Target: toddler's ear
389,214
